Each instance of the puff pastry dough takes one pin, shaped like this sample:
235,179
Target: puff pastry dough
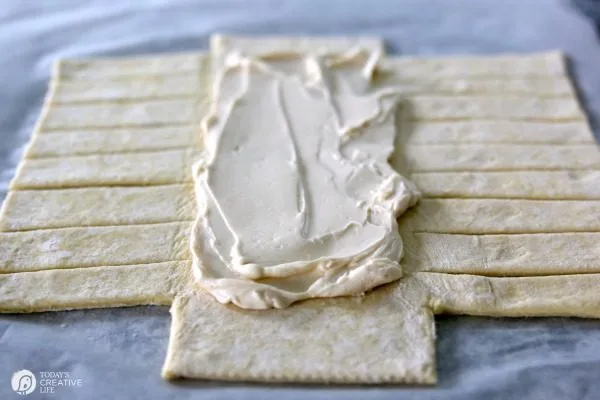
88,221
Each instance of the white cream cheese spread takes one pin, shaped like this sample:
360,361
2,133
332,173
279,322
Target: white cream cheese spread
295,196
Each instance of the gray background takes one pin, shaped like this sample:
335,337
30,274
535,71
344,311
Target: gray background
118,352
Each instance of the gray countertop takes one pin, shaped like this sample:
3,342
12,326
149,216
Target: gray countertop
118,353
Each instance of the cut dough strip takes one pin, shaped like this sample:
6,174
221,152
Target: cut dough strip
158,86
92,247
116,115
156,168
549,64
105,87
154,87
555,86
557,296
177,64
99,287
84,142
459,158
41,209
395,344
475,216
550,185
504,255
472,132
493,107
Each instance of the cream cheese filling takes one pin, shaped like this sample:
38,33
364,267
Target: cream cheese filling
295,196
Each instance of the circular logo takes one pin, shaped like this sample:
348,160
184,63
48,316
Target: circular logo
23,382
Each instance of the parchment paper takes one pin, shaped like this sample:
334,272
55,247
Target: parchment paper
118,352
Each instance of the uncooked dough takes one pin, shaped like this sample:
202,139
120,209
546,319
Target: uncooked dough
115,206
503,254
125,169
507,107
130,140
105,286
385,336
485,131
491,216
158,87
551,87
496,157
549,65
81,247
540,185
125,68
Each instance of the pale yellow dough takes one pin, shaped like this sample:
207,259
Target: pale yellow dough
130,140
115,115
547,185
157,87
124,169
53,256
485,216
575,295
487,131
114,286
126,68
550,87
386,336
496,157
113,206
350,340
502,254
532,108
91,247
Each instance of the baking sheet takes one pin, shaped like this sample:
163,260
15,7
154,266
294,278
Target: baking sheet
118,353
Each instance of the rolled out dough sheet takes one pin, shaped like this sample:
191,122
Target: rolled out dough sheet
88,221
106,286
